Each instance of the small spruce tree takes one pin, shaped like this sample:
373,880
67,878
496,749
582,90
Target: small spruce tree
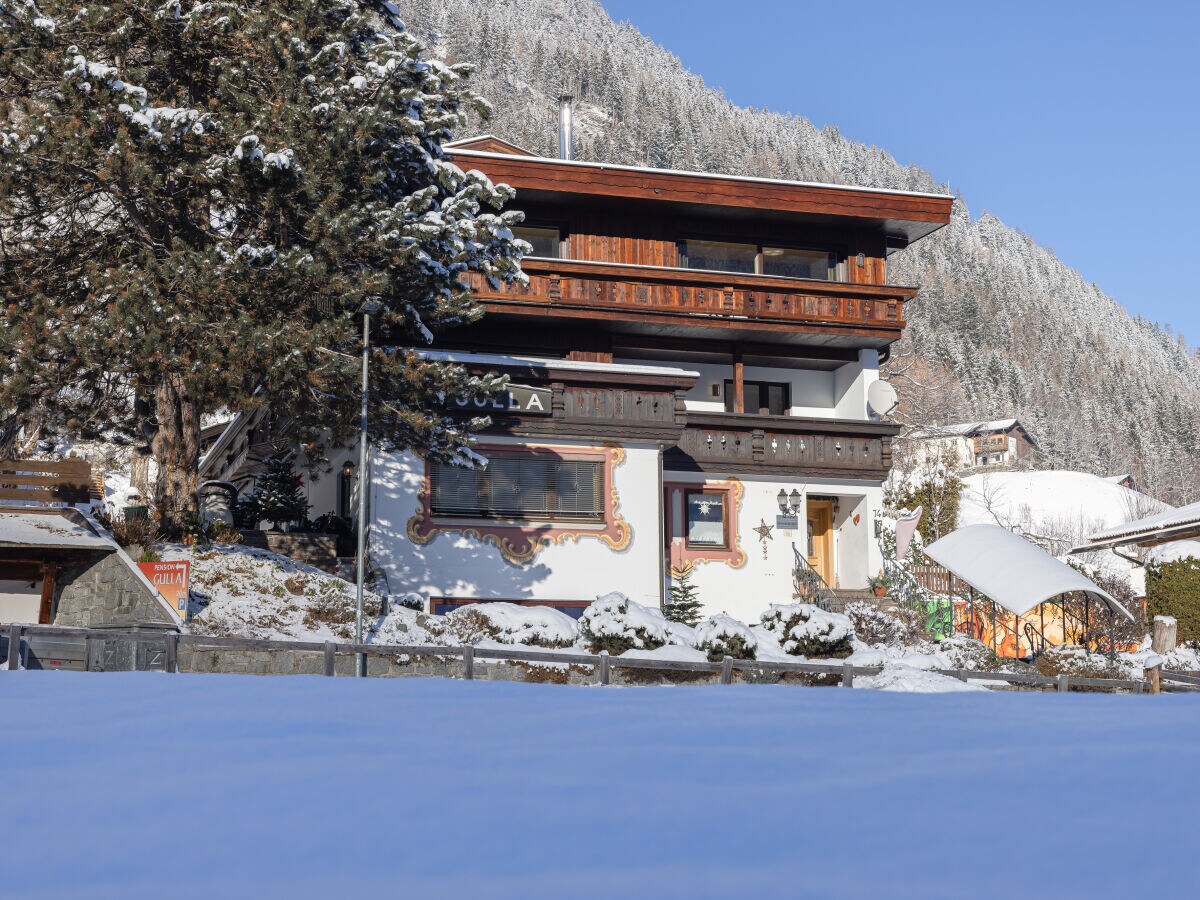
684,605
277,495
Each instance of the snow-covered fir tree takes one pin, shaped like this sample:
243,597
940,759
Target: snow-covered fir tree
196,199
684,604
278,495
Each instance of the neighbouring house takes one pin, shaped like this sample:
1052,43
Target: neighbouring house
1171,526
1125,480
974,445
690,369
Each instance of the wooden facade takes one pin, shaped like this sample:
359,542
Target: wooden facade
619,286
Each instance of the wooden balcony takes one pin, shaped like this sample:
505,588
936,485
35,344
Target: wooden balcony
991,443
667,300
783,445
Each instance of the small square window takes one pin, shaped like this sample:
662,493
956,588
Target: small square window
707,522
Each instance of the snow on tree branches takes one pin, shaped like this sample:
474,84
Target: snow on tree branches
196,199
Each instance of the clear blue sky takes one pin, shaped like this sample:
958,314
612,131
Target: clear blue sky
1077,123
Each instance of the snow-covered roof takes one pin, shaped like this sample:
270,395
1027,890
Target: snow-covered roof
569,365
965,429
49,529
483,141
1010,570
1180,523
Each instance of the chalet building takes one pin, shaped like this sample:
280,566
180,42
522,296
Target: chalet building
971,445
691,365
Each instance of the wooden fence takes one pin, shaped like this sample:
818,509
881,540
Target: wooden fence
938,580
43,646
46,481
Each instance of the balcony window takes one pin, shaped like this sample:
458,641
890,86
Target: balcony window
767,398
788,262
795,263
707,520
720,256
545,241
522,486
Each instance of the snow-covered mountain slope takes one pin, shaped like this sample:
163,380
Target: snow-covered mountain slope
1002,327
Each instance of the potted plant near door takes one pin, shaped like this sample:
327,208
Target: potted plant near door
878,585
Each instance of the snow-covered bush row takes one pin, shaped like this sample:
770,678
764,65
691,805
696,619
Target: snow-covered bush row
806,630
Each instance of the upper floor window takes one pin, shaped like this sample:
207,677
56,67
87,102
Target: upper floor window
545,241
790,262
523,486
798,263
720,256
769,398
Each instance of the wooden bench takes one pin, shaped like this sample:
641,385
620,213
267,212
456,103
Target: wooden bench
46,481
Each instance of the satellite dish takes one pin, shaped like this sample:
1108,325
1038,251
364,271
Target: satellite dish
881,397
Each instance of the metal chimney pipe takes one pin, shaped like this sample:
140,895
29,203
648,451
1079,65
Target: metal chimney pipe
566,127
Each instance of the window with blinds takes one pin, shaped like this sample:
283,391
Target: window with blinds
521,486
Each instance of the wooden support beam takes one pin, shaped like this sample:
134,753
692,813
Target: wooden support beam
739,381
45,611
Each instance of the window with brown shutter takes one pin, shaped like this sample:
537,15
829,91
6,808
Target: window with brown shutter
523,486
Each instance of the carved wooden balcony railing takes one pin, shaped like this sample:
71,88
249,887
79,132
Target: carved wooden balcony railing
612,290
784,445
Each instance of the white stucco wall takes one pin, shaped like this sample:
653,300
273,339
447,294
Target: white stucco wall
747,591
837,394
20,601
452,565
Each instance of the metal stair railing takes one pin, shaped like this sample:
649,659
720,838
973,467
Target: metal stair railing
810,587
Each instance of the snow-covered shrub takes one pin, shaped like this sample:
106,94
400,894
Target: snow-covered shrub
893,627
723,636
966,652
1072,659
806,630
411,600
616,624
509,623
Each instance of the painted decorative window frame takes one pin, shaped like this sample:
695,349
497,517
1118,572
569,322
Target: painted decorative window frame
520,542
682,557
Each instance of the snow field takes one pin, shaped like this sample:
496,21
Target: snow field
310,787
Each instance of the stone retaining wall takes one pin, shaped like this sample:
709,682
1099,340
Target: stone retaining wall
105,592
312,662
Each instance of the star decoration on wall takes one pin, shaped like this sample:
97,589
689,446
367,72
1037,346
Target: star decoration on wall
764,530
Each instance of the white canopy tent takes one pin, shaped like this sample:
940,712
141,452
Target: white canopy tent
1011,571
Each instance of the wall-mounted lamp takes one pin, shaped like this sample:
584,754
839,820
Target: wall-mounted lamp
789,504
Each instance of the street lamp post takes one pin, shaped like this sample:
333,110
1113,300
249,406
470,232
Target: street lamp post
371,307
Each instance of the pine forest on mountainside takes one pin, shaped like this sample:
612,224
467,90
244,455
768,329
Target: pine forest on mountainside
1002,326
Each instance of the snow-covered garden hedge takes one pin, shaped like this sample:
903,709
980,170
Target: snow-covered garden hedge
806,630
509,623
723,636
617,624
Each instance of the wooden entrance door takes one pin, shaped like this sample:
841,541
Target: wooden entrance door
820,538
